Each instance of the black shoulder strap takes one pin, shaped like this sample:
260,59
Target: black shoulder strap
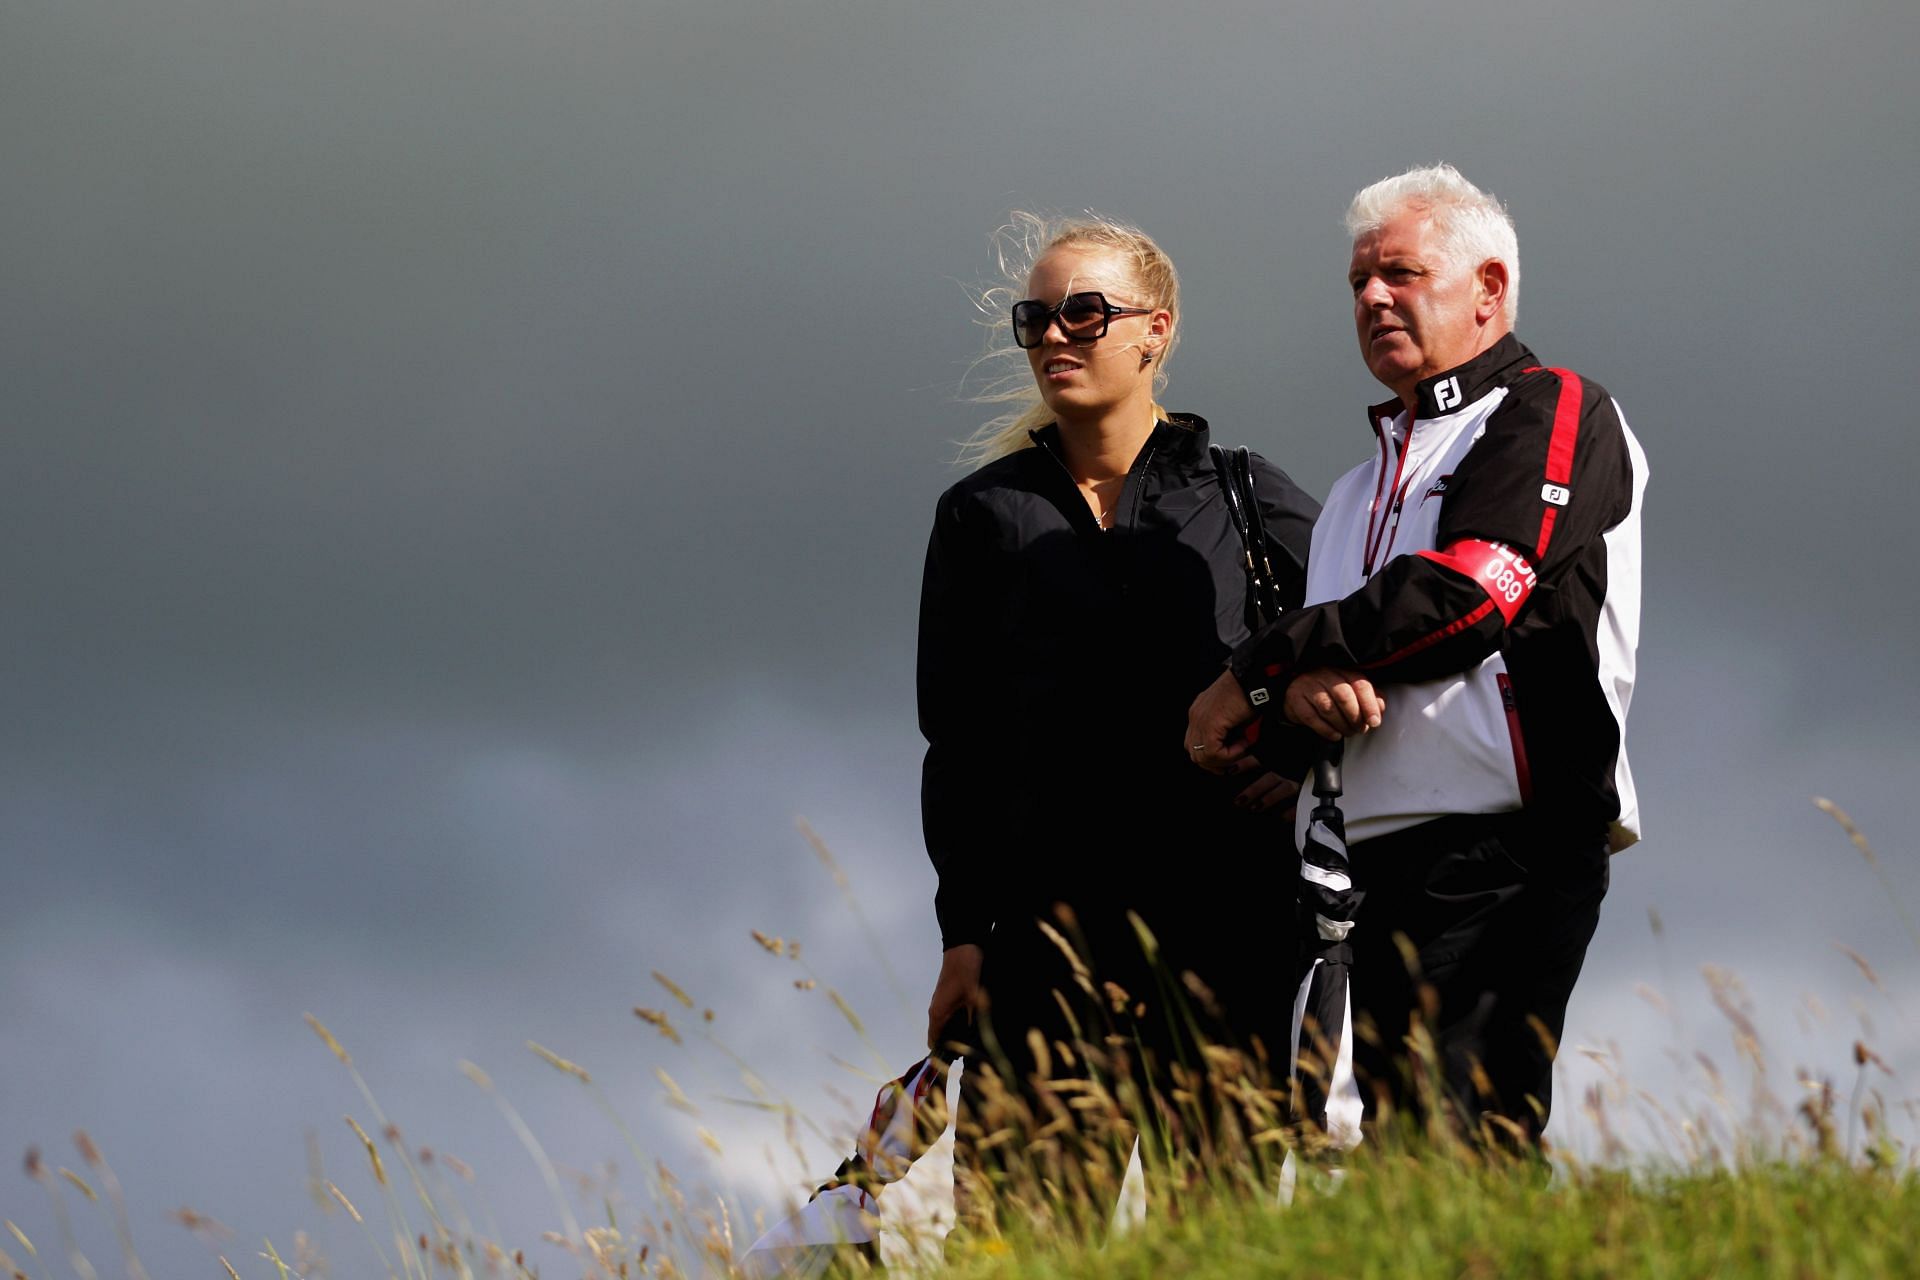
1235,469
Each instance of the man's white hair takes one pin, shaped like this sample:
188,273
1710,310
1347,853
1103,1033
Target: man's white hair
1474,226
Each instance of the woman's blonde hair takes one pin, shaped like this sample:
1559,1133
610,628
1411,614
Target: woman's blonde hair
1018,246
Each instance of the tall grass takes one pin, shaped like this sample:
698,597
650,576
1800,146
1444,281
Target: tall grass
1763,1173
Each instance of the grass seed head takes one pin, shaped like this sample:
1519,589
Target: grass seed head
1854,833
846,1011
326,1036
89,1153
79,1182
21,1236
673,989
659,1022
373,1152
200,1224
676,1096
559,1063
345,1203
1860,963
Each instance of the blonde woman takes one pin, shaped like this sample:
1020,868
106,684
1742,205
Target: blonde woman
1082,585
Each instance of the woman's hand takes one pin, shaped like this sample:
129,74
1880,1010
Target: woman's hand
957,991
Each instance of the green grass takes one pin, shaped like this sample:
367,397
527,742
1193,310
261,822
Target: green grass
1751,1187
1401,1217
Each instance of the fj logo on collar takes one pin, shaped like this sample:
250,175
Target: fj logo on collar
1447,394
1555,494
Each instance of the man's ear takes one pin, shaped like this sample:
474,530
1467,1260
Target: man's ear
1490,296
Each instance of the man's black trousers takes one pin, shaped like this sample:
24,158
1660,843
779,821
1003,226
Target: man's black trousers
1467,945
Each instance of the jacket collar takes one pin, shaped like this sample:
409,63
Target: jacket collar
1456,388
1177,438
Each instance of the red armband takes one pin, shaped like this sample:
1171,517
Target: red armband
1504,573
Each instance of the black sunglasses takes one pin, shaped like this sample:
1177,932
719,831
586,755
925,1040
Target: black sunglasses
1083,317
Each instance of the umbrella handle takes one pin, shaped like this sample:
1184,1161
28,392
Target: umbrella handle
1326,772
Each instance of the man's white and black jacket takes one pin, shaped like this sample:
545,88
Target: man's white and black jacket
1483,570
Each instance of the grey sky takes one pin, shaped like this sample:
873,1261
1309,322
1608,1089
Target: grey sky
466,469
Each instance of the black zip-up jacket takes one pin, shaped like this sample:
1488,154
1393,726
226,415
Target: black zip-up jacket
1057,662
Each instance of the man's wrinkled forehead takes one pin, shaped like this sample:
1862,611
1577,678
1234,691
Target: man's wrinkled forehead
1409,232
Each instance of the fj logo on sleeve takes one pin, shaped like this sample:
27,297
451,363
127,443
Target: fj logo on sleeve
1258,697
1555,494
1447,394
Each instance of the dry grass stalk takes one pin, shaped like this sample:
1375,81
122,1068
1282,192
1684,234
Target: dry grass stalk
559,1063
201,1225
345,1203
659,1022
673,989
676,1097
1859,841
373,1152
122,1222
846,1011
1860,963
21,1236
326,1036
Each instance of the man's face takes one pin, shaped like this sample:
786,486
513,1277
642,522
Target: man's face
1417,313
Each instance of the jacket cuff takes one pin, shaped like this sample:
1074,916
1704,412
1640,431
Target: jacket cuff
961,924
1262,681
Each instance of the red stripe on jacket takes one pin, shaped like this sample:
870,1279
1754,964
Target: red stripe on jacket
1566,429
1427,642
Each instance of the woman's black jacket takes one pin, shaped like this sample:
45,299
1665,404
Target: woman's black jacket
1057,662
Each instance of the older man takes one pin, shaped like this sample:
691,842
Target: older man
1472,614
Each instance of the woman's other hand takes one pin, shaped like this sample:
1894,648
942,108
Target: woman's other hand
958,990
1267,790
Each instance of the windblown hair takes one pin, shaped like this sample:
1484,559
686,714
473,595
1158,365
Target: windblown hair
1018,246
1474,226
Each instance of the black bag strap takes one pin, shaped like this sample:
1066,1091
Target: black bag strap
1235,469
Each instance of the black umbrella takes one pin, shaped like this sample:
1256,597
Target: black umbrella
1326,1101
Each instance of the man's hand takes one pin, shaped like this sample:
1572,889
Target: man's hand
957,990
1333,703
1213,722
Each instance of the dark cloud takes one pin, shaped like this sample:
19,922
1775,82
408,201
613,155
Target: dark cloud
468,468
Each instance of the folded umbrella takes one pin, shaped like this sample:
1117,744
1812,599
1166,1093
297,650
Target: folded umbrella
1326,1097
